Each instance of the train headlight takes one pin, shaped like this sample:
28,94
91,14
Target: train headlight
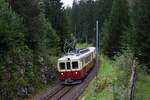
76,72
62,73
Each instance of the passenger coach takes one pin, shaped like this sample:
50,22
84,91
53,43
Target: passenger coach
74,66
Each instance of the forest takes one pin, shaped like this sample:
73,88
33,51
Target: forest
33,34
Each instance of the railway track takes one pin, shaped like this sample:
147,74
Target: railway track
59,93
72,92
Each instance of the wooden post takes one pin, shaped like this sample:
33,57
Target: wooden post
132,82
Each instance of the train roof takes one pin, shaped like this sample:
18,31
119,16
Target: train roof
77,54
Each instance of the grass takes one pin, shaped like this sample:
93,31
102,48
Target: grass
143,86
100,87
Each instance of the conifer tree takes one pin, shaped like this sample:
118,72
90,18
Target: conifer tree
84,14
35,24
75,20
141,30
11,29
103,9
118,24
54,12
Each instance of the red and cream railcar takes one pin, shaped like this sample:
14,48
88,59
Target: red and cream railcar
74,66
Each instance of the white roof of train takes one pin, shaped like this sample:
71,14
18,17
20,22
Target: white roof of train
76,56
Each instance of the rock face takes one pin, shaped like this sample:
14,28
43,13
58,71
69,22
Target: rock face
22,91
131,3
47,73
26,78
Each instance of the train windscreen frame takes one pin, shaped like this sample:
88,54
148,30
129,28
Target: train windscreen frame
75,65
68,66
62,65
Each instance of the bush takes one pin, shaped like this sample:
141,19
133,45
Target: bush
122,64
101,83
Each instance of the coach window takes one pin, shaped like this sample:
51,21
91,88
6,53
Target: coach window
68,65
86,60
74,65
62,66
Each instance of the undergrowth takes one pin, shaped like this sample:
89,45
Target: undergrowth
112,80
142,86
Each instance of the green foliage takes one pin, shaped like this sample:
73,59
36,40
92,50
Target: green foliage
83,16
115,27
83,45
128,41
35,23
103,10
52,42
142,86
106,38
101,87
26,37
10,29
13,51
122,64
101,84
141,30
21,82
32,34
54,12
68,13
113,78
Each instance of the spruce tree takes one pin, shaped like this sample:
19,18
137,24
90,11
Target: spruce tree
11,30
141,26
13,50
35,24
84,15
102,10
76,20
54,12
118,24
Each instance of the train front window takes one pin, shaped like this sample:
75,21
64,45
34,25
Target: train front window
62,66
68,65
74,65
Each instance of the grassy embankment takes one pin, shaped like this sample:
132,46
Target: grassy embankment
95,90
112,75
99,88
143,86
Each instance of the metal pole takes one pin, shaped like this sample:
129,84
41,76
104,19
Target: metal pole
97,40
